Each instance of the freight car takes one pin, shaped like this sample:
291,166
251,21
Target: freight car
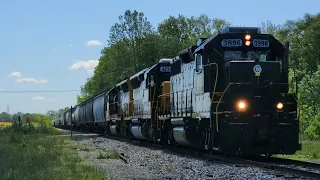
227,93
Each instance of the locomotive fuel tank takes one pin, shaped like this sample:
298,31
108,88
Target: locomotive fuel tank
137,132
185,131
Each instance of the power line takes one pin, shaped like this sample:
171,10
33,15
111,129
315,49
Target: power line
41,91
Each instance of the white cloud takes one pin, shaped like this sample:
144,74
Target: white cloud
87,65
39,98
1,89
42,98
15,74
31,80
94,43
27,80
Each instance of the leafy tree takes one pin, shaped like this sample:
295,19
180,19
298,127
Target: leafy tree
130,34
269,28
181,32
15,118
26,118
304,36
133,45
219,24
5,117
309,101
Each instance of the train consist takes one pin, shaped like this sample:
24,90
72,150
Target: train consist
228,93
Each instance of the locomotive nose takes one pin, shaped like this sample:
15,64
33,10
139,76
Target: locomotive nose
262,134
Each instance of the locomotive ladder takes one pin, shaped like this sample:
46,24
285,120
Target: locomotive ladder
215,101
211,134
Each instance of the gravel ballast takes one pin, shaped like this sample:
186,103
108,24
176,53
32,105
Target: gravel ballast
155,163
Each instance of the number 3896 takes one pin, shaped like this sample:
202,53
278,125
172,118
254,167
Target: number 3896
260,43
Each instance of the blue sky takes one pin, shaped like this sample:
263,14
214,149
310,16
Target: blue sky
40,39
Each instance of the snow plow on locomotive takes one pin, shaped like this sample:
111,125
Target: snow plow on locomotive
228,93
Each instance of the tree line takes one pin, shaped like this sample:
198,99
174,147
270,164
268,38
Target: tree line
28,118
134,44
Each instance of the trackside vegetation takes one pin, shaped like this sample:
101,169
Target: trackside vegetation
310,151
33,152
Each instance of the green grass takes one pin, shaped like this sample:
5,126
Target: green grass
26,153
310,151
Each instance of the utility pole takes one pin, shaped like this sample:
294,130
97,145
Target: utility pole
70,114
19,118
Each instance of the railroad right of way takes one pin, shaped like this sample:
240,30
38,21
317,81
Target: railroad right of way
142,161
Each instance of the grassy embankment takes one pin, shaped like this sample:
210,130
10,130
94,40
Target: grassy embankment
310,150
28,153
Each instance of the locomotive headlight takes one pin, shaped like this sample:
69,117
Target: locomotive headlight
248,43
279,105
247,37
241,105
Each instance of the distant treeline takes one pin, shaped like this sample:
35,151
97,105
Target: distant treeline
134,44
26,118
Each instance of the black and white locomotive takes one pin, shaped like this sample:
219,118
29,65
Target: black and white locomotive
228,93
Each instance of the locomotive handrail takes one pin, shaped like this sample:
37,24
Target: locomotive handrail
217,123
214,90
164,94
272,83
168,108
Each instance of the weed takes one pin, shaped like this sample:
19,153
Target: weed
26,153
310,151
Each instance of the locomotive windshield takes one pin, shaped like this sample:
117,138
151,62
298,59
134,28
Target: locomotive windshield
241,55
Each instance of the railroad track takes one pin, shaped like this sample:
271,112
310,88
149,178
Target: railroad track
294,167
295,162
306,169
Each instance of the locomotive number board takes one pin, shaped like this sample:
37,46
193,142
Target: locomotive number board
260,43
165,68
231,42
